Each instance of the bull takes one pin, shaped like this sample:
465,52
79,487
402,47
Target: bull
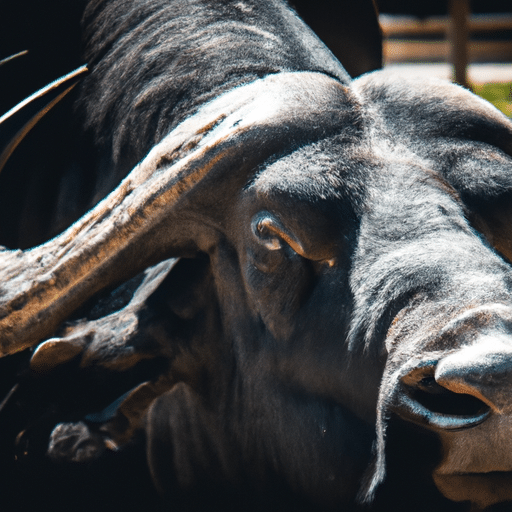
292,290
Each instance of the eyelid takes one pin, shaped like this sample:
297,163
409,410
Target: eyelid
264,226
269,232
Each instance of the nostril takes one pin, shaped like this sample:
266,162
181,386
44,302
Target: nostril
424,400
440,400
483,370
429,385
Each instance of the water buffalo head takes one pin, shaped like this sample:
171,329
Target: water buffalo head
345,260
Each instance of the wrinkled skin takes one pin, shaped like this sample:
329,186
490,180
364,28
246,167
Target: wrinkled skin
344,286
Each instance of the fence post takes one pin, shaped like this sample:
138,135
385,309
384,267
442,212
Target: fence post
458,37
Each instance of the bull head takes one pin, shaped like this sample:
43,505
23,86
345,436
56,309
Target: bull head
346,253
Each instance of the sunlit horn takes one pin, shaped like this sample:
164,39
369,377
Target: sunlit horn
15,124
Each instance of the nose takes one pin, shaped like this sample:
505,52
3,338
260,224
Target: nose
482,370
462,389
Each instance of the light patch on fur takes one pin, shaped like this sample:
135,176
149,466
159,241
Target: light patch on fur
237,27
243,7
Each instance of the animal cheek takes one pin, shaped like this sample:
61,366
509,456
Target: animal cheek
266,261
277,291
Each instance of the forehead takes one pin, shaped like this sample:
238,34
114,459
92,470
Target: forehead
412,136
323,170
341,176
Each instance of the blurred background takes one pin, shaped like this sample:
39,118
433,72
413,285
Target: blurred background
469,41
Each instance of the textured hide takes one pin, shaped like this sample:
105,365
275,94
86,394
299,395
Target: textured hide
236,279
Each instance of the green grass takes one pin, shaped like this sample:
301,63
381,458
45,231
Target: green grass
499,94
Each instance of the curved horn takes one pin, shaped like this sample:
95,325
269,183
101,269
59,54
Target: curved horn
15,124
135,226
12,57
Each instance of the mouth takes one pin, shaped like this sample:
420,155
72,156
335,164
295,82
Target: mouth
481,489
476,466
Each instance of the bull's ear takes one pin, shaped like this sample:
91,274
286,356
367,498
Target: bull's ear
15,124
155,211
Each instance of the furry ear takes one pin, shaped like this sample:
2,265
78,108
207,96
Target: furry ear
15,124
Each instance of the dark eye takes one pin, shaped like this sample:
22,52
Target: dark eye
267,232
274,244
271,234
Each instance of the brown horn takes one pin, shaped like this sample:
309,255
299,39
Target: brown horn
133,227
12,57
15,124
